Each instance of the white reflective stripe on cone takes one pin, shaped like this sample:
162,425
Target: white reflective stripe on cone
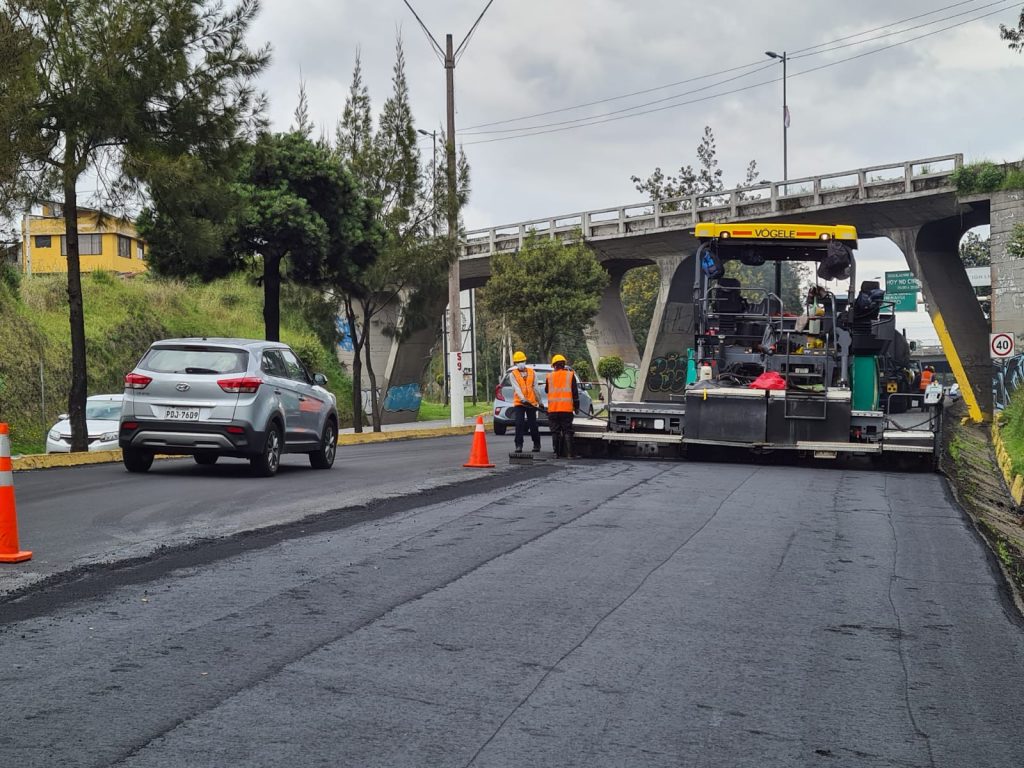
480,428
6,478
5,445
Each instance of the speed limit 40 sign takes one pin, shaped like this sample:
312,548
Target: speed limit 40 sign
1000,345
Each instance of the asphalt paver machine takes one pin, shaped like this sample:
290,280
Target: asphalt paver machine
768,377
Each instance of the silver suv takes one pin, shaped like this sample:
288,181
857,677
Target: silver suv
208,398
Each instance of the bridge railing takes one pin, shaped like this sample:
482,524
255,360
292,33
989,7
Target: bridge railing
756,201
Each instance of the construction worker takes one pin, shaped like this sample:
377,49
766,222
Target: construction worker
524,398
563,402
927,377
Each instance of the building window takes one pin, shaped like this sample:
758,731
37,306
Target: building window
88,245
44,241
124,247
140,252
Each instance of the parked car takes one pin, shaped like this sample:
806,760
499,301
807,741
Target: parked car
504,417
102,415
243,398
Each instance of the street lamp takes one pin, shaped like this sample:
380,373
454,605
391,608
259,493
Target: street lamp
433,173
785,112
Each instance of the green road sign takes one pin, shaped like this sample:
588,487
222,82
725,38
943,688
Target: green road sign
901,288
903,302
901,282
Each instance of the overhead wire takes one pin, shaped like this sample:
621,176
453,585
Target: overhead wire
474,129
538,130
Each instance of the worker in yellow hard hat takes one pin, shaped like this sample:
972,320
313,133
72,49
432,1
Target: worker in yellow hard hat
563,402
524,399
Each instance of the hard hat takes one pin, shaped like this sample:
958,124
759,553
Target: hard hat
519,357
558,359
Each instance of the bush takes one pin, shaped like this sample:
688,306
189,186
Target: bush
977,177
10,276
986,177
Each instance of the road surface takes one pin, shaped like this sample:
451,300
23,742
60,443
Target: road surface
600,614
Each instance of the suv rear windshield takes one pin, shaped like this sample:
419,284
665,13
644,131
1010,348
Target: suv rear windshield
195,359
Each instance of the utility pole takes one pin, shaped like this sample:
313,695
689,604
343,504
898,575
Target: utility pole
458,411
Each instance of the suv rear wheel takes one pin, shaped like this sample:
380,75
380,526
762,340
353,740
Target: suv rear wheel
323,457
265,464
136,459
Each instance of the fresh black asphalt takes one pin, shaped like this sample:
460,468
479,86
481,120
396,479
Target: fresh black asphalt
599,614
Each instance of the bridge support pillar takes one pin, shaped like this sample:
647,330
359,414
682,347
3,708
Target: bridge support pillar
399,362
662,374
612,335
1007,272
933,253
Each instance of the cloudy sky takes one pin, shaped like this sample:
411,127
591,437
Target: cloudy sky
861,89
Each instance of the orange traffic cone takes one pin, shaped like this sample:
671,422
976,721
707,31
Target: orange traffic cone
478,453
9,551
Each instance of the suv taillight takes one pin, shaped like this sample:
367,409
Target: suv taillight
497,392
246,385
136,381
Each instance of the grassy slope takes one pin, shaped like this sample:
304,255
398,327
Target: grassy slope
1013,431
122,318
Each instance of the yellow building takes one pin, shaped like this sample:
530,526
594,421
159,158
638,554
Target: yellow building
105,242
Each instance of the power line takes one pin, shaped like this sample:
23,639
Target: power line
764,66
616,98
473,129
465,41
884,26
604,119
897,32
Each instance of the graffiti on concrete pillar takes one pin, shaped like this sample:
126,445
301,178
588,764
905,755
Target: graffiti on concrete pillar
405,397
1007,378
344,335
627,379
667,374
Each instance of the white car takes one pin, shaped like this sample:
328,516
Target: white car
102,419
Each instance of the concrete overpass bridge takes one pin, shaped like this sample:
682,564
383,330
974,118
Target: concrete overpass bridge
913,203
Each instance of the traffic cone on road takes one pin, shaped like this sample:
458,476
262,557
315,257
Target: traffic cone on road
478,453
9,549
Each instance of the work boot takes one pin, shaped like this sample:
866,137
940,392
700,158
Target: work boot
536,446
519,447
570,449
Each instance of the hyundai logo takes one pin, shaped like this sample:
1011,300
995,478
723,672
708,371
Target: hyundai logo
183,387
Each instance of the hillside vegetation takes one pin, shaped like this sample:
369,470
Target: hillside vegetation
122,317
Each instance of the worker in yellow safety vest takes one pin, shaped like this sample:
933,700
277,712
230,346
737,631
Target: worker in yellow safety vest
524,398
563,402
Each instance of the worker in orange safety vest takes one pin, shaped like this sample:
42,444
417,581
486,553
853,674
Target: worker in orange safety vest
563,402
524,399
927,377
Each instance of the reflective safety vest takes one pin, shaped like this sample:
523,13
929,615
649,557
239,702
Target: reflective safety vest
522,383
926,379
560,391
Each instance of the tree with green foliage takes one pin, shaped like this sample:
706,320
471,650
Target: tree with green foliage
411,264
975,252
114,85
301,213
1015,37
609,369
546,291
640,287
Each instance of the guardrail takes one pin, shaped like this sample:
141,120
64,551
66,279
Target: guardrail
758,200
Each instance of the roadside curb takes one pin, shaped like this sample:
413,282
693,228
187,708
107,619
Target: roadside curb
1013,481
53,460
